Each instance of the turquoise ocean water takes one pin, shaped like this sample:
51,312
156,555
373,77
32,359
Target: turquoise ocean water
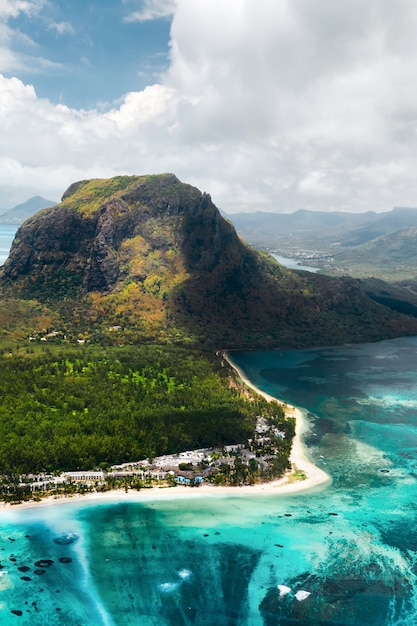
7,233
338,556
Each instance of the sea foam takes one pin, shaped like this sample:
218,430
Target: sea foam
302,595
283,590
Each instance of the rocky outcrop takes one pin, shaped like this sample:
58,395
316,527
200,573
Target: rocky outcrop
53,238
114,224
87,244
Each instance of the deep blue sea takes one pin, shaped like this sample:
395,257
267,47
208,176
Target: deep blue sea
345,555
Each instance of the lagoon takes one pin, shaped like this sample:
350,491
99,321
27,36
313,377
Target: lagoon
343,555
294,264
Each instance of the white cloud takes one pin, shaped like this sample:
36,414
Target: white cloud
267,106
10,61
152,105
12,41
13,8
151,10
314,184
62,27
329,85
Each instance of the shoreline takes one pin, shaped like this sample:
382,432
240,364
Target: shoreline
287,484
315,476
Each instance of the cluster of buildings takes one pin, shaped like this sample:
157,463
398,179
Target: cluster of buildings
186,468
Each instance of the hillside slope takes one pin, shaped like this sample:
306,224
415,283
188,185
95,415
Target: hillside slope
138,258
390,257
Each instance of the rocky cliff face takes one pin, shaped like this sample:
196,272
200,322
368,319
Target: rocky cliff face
87,243
154,255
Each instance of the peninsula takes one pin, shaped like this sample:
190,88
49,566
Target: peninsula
115,305
139,481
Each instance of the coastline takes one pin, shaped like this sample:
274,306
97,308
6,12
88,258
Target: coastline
315,476
287,484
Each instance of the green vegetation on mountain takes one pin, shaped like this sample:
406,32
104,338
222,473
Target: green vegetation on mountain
391,257
401,297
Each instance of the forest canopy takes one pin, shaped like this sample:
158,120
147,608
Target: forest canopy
83,407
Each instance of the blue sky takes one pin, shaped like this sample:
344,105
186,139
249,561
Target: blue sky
267,105
85,53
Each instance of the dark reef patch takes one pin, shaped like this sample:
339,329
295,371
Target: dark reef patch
42,563
65,559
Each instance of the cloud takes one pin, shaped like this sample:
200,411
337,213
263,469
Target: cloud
62,27
327,85
18,51
267,106
151,10
13,8
10,60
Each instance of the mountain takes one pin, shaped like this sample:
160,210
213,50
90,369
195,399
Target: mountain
382,224
392,250
21,212
319,230
285,230
391,257
149,258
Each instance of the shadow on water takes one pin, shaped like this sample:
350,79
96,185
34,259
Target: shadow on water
143,568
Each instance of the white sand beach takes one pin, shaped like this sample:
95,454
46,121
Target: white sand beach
314,477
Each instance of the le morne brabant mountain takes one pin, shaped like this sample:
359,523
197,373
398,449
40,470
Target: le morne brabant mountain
153,258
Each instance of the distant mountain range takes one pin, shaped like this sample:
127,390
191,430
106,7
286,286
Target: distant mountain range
319,229
19,213
392,252
383,245
149,258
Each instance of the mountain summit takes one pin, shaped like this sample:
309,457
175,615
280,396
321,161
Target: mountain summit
152,257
